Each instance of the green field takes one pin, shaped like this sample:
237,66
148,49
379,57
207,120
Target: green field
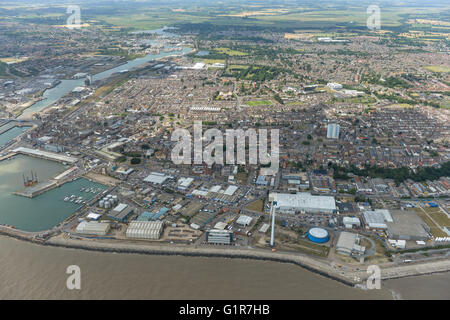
139,16
438,69
256,103
230,52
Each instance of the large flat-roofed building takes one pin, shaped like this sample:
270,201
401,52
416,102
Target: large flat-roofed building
230,190
184,183
349,222
406,225
121,212
214,236
244,220
145,230
303,201
377,219
348,244
157,178
93,228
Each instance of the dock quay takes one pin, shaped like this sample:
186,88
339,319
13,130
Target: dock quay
45,155
7,156
34,191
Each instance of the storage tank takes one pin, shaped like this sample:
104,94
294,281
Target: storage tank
102,204
107,205
318,235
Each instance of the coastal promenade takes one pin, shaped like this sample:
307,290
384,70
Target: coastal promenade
320,266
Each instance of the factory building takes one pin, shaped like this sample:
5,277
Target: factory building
157,178
244,220
93,228
121,212
377,219
219,236
184,183
145,230
220,225
349,222
304,201
348,244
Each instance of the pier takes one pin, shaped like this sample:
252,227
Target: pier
36,190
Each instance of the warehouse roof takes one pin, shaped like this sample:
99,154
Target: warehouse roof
377,218
120,207
220,225
230,190
157,178
92,227
348,244
244,220
93,216
185,182
304,200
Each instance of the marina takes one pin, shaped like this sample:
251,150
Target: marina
42,206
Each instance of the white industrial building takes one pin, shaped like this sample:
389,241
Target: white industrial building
93,216
349,222
184,183
220,225
219,236
334,86
303,201
93,228
244,220
145,230
377,219
348,244
215,189
157,178
200,193
230,190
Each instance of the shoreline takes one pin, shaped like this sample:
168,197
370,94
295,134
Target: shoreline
311,264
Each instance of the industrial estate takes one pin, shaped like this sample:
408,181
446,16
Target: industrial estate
87,116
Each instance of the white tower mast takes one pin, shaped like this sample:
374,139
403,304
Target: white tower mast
273,203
